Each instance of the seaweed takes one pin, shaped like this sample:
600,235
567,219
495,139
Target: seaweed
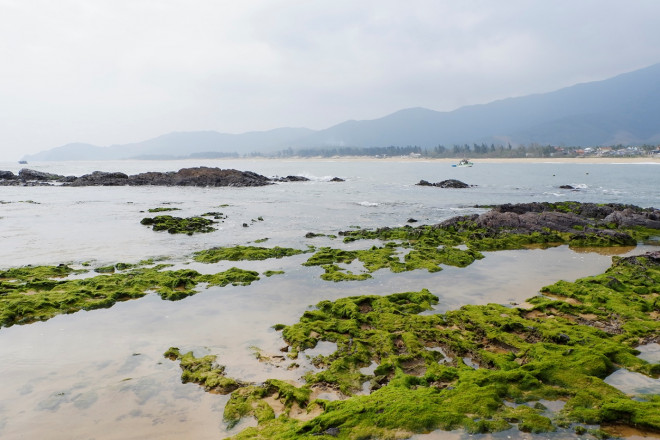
563,347
238,253
38,293
163,209
178,225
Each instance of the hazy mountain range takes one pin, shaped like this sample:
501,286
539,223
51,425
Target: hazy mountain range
621,110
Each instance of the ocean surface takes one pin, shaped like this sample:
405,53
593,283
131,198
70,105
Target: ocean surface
102,375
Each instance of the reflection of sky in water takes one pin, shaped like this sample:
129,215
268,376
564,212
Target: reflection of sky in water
633,383
649,352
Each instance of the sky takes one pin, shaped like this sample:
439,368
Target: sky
110,72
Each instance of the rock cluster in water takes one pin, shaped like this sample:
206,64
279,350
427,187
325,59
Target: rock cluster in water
562,217
450,183
199,176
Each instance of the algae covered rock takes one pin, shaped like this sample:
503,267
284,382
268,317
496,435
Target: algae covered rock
178,225
38,293
237,253
560,348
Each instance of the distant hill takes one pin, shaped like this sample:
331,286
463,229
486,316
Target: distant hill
620,110
180,145
624,109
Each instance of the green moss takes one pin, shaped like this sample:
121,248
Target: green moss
216,215
547,352
375,258
203,371
238,253
178,225
163,209
270,273
32,294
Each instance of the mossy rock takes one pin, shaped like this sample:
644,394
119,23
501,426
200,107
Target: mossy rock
238,253
523,355
37,293
179,225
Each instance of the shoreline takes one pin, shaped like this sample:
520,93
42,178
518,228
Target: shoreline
572,160
586,160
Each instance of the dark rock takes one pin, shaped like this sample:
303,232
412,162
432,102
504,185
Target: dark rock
337,179
412,220
7,175
200,176
531,221
334,432
566,187
450,183
151,178
27,174
245,225
291,179
101,178
628,218
204,176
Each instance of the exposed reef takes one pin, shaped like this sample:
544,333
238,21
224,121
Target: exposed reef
199,176
37,293
459,241
481,368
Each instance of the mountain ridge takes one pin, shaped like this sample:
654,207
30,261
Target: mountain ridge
623,109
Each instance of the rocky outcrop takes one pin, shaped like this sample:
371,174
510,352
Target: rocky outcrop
200,176
8,175
100,178
562,217
292,179
450,183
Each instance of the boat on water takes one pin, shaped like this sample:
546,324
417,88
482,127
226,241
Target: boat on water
463,163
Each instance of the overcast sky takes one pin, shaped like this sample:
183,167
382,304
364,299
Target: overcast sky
117,71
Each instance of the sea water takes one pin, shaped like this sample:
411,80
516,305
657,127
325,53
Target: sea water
101,374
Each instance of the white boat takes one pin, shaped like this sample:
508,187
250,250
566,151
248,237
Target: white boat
464,163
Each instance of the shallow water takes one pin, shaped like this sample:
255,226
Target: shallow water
101,374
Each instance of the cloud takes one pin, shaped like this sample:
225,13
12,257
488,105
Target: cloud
116,71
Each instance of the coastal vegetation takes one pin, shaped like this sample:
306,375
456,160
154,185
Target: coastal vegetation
482,368
38,293
473,150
